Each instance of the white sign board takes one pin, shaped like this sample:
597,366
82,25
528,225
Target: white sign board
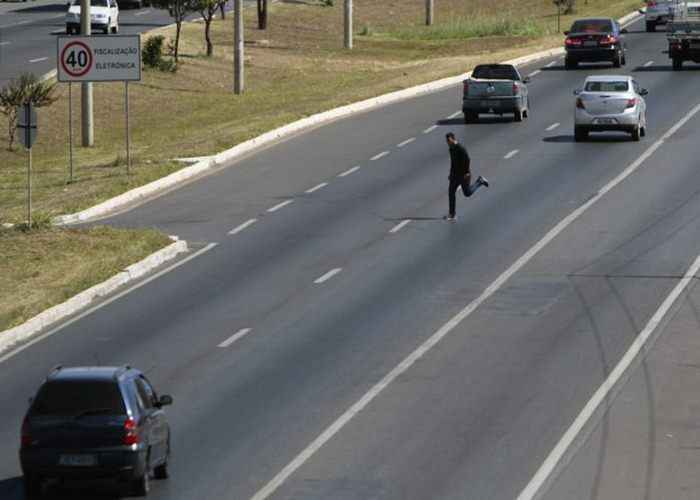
99,58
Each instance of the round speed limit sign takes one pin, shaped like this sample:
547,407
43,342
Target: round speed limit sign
76,59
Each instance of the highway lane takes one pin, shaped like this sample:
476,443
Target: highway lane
314,349
28,33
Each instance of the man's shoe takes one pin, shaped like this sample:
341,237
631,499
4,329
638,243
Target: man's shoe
483,181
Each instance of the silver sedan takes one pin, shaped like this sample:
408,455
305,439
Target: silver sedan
610,102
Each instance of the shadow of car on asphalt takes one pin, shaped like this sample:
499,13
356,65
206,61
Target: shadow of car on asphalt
603,137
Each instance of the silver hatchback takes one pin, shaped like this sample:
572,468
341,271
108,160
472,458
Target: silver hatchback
610,103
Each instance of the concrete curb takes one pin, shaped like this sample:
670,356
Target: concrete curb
26,330
172,180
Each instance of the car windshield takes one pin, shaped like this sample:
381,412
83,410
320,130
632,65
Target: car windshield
607,86
495,73
595,26
94,3
78,398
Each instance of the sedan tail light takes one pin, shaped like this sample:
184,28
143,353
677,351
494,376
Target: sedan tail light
131,432
608,40
652,3
631,103
573,42
466,86
26,436
515,88
579,103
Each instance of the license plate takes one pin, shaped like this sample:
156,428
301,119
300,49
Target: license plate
490,104
78,460
590,43
606,121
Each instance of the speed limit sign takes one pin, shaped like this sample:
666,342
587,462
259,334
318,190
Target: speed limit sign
76,59
99,58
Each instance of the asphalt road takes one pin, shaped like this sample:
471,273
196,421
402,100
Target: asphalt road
28,32
330,291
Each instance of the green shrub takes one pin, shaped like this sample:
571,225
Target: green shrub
152,55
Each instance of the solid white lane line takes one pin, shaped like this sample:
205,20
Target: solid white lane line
235,337
454,115
435,339
316,188
552,127
348,172
603,392
430,129
328,275
535,73
399,226
38,60
406,142
243,226
511,154
379,156
280,205
80,316
647,64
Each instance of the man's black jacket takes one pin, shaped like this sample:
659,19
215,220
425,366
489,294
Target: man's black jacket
460,162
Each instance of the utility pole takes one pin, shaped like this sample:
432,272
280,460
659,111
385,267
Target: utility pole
238,75
86,87
348,24
429,4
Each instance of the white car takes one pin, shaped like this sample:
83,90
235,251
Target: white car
610,102
104,16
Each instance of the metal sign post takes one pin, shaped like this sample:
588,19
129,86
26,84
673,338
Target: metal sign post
128,148
27,125
70,131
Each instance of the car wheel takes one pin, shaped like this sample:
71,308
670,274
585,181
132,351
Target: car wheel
115,29
624,60
580,134
518,115
617,62
651,26
32,486
471,117
677,64
636,134
161,472
569,64
141,486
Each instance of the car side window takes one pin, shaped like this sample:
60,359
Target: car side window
145,392
635,85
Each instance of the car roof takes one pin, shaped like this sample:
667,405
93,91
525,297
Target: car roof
91,373
608,78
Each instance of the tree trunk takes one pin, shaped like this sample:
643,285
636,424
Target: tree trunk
207,35
12,129
223,10
178,27
262,14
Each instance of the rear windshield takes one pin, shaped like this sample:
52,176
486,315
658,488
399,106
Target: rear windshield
593,26
76,398
94,3
607,86
495,73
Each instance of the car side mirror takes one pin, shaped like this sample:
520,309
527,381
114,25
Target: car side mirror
165,400
526,79
641,11
643,92
577,91
624,31
567,32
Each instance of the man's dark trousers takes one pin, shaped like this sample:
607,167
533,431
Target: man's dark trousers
467,189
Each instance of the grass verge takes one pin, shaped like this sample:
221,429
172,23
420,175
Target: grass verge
44,267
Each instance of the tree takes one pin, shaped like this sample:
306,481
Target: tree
207,9
262,14
178,10
27,89
568,6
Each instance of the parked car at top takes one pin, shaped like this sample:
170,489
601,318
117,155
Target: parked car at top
683,34
610,102
595,40
497,89
88,423
104,16
658,12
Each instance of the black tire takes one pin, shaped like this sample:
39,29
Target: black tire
636,134
518,115
677,64
570,63
161,472
580,134
141,486
651,26
617,62
471,117
32,486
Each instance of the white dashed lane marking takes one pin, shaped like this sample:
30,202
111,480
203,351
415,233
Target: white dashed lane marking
32,61
328,275
243,226
535,73
348,172
400,226
552,127
280,205
406,142
647,64
235,337
316,188
511,154
429,129
454,115
551,64
2,44
379,156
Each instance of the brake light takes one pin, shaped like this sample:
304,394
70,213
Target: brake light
608,40
515,88
26,437
466,86
631,103
131,432
570,42
579,103
651,4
